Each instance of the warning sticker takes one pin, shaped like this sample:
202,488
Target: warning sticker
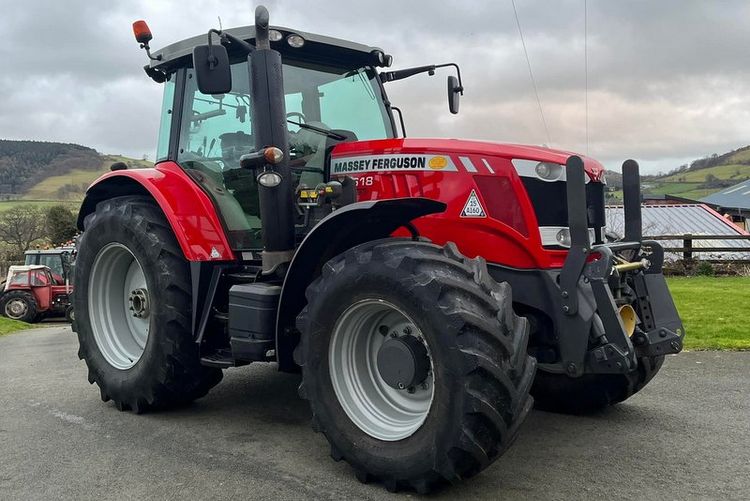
472,207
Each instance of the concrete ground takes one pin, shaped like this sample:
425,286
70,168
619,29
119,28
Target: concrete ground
686,436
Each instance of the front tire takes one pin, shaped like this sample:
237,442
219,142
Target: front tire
465,408
132,307
591,392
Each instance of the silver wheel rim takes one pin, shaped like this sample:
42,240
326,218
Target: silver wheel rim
377,409
120,330
16,308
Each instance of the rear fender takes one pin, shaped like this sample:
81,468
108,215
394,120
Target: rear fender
188,209
341,230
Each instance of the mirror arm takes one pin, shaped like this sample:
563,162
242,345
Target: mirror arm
212,60
391,76
458,73
237,41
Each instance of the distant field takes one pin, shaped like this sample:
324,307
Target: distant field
732,171
714,311
43,204
48,188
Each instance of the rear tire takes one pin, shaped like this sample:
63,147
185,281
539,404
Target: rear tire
151,361
19,305
480,371
591,392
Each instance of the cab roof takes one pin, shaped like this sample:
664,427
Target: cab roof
318,47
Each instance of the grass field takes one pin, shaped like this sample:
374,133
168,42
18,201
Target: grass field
48,188
43,204
7,326
713,311
731,171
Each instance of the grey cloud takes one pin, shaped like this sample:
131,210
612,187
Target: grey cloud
667,79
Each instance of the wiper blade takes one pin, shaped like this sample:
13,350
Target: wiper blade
329,133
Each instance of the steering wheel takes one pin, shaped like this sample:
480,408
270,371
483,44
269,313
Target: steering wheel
297,114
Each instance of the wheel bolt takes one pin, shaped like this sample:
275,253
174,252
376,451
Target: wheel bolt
411,389
401,386
407,330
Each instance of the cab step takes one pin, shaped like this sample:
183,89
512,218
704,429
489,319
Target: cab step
221,359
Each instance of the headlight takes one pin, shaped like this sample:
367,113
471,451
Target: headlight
275,35
269,179
549,171
295,41
563,237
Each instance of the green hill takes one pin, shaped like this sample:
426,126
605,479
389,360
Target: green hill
44,172
25,163
72,184
698,179
703,176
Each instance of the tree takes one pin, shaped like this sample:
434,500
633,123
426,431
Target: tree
61,224
710,178
21,226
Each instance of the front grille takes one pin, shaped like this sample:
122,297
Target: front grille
550,201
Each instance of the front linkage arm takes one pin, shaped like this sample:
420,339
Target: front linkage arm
586,299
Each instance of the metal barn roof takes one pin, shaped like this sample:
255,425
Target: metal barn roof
734,197
693,219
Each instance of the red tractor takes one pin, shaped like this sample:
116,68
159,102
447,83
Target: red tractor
285,221
32,292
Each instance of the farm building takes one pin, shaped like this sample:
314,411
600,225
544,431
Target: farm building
687,219
734,201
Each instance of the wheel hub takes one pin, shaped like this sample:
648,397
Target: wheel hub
381,369
16,308
403,362
139,303
119,305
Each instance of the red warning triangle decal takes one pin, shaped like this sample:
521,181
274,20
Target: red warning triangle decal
473,207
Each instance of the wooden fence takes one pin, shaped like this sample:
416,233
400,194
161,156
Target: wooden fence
688,249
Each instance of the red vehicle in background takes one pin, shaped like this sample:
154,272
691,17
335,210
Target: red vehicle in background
32,292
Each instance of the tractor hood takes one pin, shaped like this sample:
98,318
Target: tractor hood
459,148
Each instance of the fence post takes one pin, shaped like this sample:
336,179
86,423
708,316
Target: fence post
687,243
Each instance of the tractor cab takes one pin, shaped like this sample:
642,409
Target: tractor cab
58,260
332,94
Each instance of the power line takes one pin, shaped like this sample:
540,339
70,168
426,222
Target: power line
531,73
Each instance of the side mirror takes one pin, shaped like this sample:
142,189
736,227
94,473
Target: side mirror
212,71
454,94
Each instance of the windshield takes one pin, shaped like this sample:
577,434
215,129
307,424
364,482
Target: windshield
217,130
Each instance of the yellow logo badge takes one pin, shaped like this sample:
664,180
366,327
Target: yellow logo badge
437,163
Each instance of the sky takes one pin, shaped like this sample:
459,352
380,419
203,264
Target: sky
668,81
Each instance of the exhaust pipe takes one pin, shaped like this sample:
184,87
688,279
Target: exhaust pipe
269,130
631,199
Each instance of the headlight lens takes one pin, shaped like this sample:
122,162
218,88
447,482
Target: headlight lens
275,35
269,179
549,171
563,237
295,41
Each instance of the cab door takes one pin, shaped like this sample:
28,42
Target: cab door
41,281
